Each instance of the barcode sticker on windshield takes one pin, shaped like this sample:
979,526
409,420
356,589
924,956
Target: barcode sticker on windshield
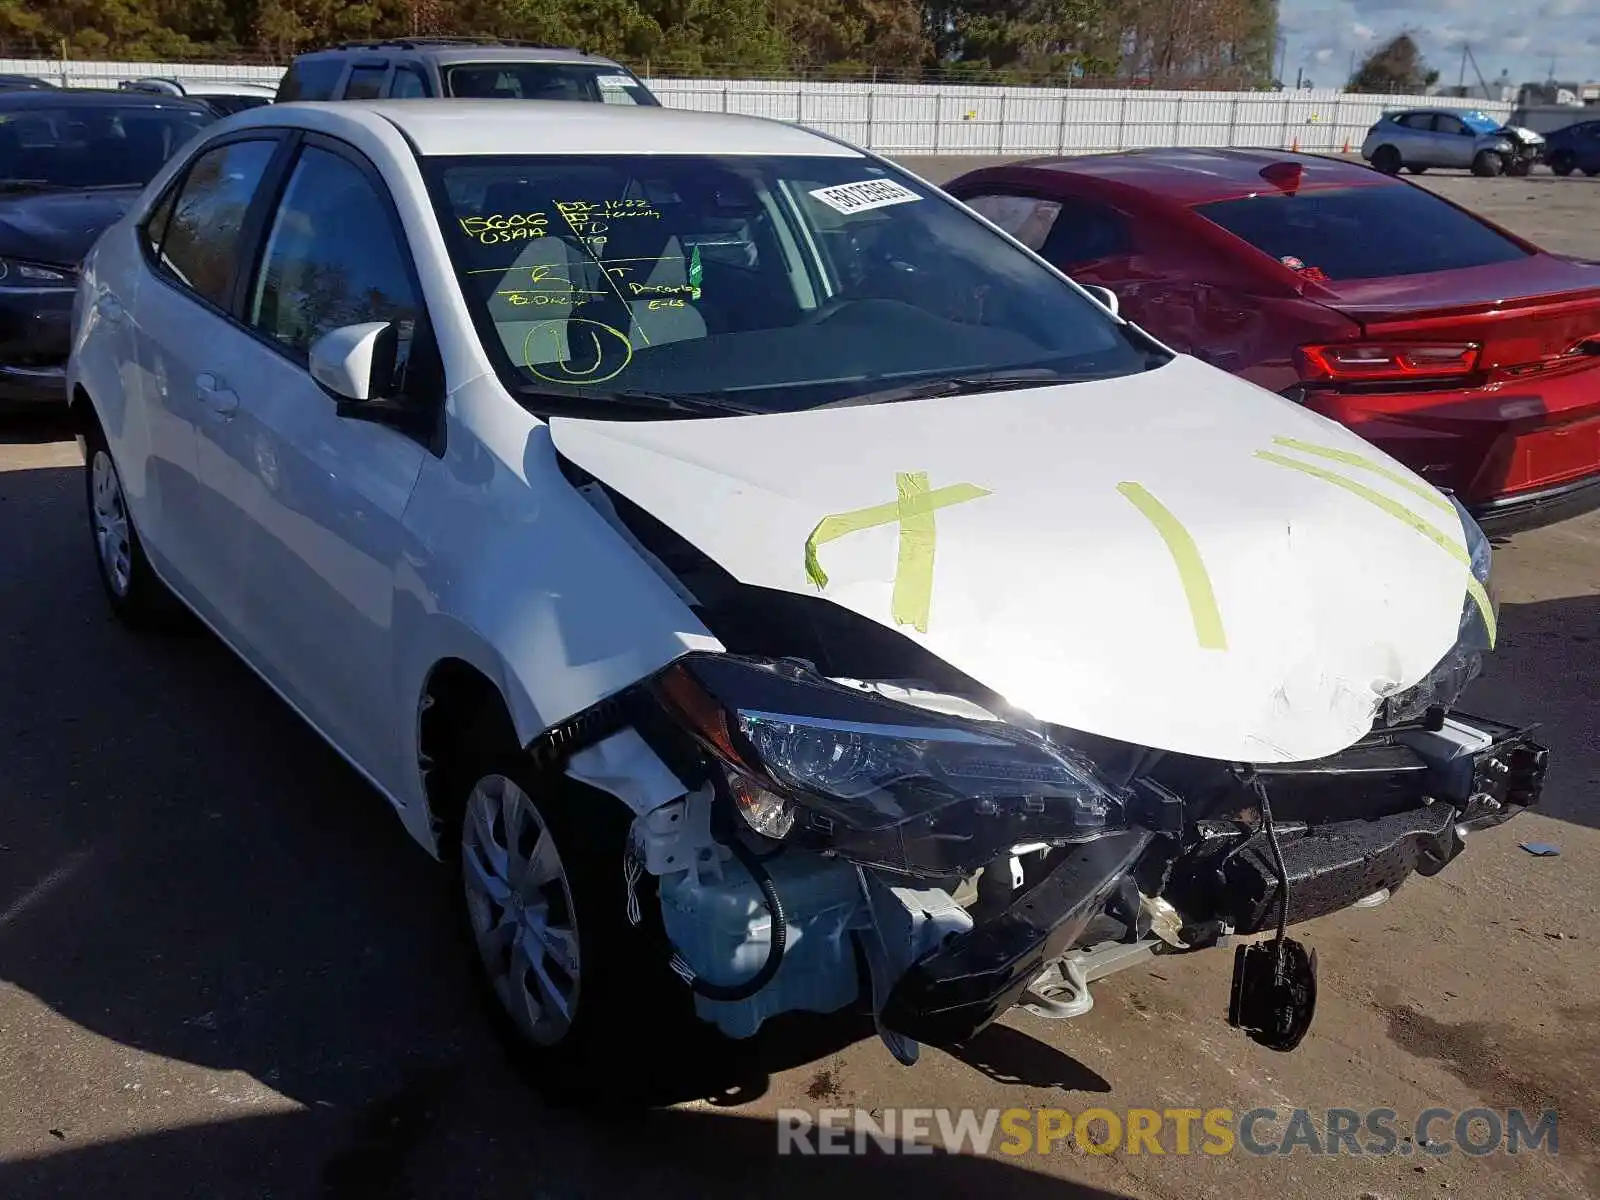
614,81
869,193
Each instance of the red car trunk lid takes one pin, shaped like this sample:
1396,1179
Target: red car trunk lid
1537,312
1538,321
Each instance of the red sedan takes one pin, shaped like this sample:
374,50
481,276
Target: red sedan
1463,350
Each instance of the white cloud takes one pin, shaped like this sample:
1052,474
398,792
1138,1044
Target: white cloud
1502,36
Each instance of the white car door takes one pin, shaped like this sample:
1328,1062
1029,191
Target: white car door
327,492
181,339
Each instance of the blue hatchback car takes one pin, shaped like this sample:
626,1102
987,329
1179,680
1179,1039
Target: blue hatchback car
1575,148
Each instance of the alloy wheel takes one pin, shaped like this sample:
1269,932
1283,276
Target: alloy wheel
519,901
110,516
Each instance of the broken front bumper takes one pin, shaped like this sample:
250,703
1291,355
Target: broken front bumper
1406,802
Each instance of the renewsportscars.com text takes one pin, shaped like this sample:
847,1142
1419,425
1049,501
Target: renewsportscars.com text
1434,1132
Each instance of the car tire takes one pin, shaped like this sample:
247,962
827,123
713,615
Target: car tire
137,596
1591,172
629,1020
1387,160
1488,164
1417,170
1563,162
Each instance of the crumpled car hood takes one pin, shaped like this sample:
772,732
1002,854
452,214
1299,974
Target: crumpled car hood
1177,559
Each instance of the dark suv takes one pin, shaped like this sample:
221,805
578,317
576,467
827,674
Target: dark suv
473,68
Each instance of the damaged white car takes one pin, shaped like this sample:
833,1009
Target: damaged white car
760,580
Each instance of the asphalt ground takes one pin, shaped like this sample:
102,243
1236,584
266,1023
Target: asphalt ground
226,972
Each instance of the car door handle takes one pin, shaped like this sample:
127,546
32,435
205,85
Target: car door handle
215,395
109,308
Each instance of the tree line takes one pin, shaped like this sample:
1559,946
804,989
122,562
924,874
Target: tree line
1159,43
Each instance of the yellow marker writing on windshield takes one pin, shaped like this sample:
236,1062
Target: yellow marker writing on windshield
913,512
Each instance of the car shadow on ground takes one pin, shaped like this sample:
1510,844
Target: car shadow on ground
689,1153
187,871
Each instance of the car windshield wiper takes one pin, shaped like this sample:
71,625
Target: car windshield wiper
965,384
25,185
601,403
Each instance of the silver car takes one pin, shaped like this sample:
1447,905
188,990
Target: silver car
1419,138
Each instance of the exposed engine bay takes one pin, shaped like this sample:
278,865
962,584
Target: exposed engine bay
846,817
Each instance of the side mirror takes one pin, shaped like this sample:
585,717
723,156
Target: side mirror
359,364
1105,295
356,362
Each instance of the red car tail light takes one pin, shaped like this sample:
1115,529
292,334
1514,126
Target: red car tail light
1398,362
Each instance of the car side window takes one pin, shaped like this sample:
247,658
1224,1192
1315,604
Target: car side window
334,257
1085,232
366,81
1025,218
199,243
310,79
1444,123
155,223
1421,121
408,83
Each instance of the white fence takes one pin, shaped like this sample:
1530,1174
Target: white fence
938,119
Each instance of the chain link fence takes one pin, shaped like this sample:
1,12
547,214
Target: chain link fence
939,118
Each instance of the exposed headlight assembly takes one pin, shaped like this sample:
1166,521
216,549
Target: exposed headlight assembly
1444,685
17,276
882,783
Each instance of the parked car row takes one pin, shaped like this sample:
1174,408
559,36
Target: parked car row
768,586
73,159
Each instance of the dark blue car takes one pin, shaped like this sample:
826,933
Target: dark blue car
1575,148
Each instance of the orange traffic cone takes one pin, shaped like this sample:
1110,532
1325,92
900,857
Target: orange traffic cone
1346,149
1294,147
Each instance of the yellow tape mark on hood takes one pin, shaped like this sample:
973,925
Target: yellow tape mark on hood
1401,513
913,511
1191,567
1351,459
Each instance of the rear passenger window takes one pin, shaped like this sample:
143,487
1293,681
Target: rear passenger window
310,79
366,83
408,84
1366,232
1025,218
1085,233
155,225
199,246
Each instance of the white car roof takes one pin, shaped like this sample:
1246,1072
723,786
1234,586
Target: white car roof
439,127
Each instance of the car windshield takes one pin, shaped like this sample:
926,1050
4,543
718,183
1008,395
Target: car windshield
593,82
91,146
1363,232
1479,122
770,284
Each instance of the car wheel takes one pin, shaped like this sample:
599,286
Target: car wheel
1387,160
1591,171
583,995
1562,162
1417,170
1488,164
137,597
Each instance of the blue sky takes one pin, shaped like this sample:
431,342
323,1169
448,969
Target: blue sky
1519,38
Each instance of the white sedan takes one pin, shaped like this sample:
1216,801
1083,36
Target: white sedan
737,561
